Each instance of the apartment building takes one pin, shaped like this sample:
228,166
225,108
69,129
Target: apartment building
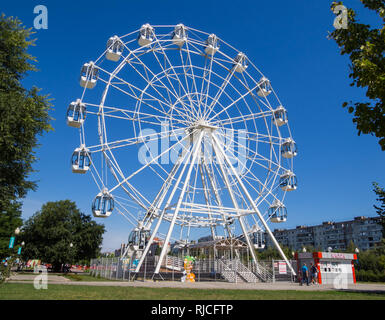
365,232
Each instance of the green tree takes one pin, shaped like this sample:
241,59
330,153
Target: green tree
9,221
23,116
351,248
50,231
272,253
365,47
380,192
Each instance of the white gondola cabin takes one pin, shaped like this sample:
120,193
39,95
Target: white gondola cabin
76,114
288,149
138,238
114,48
81,160
179,35
146,35
264,87
212,44
103,205
288,181
277,212
240,62
89,75
280,116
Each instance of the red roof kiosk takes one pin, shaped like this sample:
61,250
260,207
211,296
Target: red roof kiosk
333,267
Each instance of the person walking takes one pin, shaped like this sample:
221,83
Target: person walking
305,274
314,274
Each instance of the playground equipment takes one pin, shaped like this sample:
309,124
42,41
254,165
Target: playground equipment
185,132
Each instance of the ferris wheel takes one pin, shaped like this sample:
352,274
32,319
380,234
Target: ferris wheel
181,132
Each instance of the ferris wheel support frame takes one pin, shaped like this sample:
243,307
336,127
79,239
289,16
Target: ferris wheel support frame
250,199
185,154
193,157
217,198
219,153
212,228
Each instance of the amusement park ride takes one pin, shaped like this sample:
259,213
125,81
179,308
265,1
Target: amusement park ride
182,132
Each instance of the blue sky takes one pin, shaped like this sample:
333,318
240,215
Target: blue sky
288,42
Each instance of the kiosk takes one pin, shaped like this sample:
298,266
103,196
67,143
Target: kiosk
332,266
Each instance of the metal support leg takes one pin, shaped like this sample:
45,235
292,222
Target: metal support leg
250,199
182,193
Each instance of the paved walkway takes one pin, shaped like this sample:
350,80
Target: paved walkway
56,279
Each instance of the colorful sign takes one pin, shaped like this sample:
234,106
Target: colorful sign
11,242
282,268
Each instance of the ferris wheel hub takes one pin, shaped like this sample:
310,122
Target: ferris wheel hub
204,125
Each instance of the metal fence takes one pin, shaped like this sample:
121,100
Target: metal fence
172,269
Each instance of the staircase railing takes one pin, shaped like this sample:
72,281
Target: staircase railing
228,273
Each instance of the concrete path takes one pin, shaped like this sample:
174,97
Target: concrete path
56,279
30,277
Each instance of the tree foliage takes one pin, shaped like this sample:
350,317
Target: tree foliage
371,264
23,116
9,221
365,47
50,231
272,253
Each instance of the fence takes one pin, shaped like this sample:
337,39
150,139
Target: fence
172,269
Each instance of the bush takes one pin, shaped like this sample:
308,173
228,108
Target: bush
369,276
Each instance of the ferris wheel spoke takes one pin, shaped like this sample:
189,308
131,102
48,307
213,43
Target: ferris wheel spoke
207,86
255,154
155,77
219,93
192,69
137,94
137,98
232,103
165,70
150,162
141,139
243,118
124,207
263,186
167,60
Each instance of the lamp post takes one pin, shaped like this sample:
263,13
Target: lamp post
13,238
357,251
71,251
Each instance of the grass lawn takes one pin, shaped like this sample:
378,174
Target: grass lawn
84,277
22,291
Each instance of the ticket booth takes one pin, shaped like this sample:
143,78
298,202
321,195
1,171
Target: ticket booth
332,266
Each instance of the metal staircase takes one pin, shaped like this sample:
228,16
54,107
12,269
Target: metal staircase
228,273
235,271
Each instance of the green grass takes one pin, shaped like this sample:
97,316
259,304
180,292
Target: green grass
84,277
16,291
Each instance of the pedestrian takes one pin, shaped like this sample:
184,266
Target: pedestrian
305,274
314,274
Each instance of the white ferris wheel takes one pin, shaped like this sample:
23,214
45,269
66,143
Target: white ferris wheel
179,131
